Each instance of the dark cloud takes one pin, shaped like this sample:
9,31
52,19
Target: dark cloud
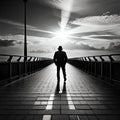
110,6
40,51
114,46
20,42
88,7
7,43
97,34
111,37
105,32
97,7
74,46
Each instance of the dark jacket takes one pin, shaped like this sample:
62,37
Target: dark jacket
60,58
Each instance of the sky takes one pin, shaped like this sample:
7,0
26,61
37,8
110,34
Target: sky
82,27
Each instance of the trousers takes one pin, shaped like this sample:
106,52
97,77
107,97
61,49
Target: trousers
63,71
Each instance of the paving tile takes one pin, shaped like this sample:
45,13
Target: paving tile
106,112
76,112
64,107
60,117
82,107
28,117
98,107
50,112
3,117
37,117
108,117
83,117
92,117
55,107
73,117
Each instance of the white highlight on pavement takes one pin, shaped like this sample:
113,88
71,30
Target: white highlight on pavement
49,107
50,102
70,102
46,117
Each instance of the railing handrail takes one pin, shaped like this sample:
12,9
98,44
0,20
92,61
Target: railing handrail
110,56
10,56
98,55
103,55
21,56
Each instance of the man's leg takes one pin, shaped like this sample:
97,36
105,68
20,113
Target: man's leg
64,72
58,73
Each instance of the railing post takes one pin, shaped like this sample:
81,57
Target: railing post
102,60
29,62
34,64
39,63
95,65
10,67
19,69
25,66
82,62
90,64
86,65
111,62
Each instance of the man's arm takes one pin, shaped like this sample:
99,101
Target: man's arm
54,58
66,58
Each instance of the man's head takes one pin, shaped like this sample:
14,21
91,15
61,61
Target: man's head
60,48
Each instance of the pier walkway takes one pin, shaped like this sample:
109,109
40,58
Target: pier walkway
36,97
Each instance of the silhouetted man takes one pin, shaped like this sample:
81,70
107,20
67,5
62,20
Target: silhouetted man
60,60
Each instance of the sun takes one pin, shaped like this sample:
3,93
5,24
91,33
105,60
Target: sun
61,37
62,34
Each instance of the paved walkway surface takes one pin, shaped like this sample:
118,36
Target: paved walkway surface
36,97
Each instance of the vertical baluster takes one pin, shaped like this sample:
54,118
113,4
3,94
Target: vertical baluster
34,68
29,64
86,65
19,67
111,62
89,65
102,60
10,67
95,65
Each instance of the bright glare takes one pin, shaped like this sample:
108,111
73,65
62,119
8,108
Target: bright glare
62,34
61,37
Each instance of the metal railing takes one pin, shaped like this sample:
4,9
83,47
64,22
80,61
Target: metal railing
14,66
105,66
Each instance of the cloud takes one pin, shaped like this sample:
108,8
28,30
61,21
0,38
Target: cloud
98,20
106,37
87,7
97,31
40,51
7,43
20,42
10,42
110,23
61,4
29,27
19,39
79,46
6,21
114,46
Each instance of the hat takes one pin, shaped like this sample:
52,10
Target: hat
60,48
